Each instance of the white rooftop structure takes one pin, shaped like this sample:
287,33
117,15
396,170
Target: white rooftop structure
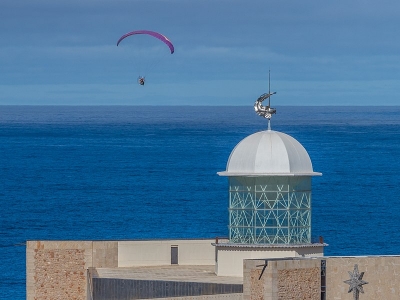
269,153
269,174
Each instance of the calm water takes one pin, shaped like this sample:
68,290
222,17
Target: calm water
71,173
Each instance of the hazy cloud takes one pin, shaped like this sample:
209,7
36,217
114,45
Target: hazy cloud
219,44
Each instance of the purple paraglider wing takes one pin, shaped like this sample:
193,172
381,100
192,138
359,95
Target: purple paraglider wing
152,33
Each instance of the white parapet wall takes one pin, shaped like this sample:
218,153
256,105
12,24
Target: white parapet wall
159,252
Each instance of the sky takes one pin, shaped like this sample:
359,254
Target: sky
318,52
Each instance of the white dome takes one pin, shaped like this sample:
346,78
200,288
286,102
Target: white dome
269,153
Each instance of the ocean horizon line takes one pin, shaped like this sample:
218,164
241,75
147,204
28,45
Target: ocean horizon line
177,105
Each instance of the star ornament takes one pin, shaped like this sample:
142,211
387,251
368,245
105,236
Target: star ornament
356,282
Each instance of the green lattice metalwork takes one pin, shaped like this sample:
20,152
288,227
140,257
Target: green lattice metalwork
270,210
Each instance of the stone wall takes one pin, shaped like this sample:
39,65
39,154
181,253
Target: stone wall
381,272
58,269
347,278
60,274
282,279
302,283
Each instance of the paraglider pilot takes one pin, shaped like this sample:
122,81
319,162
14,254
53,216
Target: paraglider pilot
141,80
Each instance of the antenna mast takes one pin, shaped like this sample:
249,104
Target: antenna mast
269,87
265,111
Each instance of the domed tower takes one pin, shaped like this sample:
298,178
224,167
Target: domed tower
269,175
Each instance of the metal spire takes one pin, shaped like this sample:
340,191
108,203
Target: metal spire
265,111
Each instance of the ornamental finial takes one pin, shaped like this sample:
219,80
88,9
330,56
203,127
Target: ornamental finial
265,111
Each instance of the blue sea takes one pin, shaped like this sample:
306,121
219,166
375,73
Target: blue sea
145,172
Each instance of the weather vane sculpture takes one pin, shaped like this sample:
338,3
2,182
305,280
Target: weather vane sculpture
265,111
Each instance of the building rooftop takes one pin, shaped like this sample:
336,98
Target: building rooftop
272,246
167,273
269,153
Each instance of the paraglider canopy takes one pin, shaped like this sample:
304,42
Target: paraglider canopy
157,35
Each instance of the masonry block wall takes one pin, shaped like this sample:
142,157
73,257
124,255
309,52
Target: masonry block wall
374,277
381,272
281,279
58,269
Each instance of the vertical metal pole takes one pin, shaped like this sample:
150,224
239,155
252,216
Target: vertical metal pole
269,88
323,279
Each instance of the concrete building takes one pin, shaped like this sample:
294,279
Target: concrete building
126,270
